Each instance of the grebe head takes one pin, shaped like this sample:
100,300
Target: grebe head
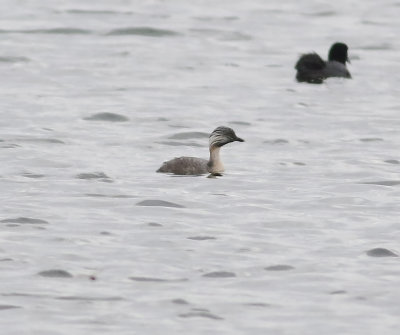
338,52
223,135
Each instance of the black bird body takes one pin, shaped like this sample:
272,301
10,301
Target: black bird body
311,68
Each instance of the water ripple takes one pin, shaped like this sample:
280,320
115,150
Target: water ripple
160,203
25,220
110,117
55,273
381,252
142,31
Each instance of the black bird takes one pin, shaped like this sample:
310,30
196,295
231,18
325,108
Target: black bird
311,68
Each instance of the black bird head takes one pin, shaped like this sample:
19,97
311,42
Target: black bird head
338,53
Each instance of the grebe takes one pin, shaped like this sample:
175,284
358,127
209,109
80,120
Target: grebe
197,166
311,68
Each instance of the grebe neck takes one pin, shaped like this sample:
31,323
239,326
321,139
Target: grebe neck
214,164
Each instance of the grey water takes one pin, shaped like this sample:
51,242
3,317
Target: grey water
301,234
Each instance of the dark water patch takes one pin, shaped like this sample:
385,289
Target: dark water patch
216,18
109,117
240,123
338,292
142,31
28,295
24,220
371,139
60,31
258,304
201,238
279,267
324,13
154,224
299,163
361,298
105,233
6,260
198,309
55,273
41,140
159,203
114,196
379,46
200,315
373,23
392,161
100,176
189,135
97,12
381,252
13,59
235,36
3,307
384,182
220,274
277,141
9,146
178,144
78,298
32,175
180,302
157,280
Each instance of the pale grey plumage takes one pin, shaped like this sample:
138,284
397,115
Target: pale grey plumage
197,166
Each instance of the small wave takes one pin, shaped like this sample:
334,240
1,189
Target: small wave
220,274
371,139
277,141
94,175
381,252
96,12
201,238
61,31
41,140
279,267
338,292
110,117
156,280
83,298
160,203
381,46
201,315
180,301
32,175
55,273
24,220
3,307
154,224
178,144
188,135
392,161
384,182
322,13
115,196
13,59
241,123
142,31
